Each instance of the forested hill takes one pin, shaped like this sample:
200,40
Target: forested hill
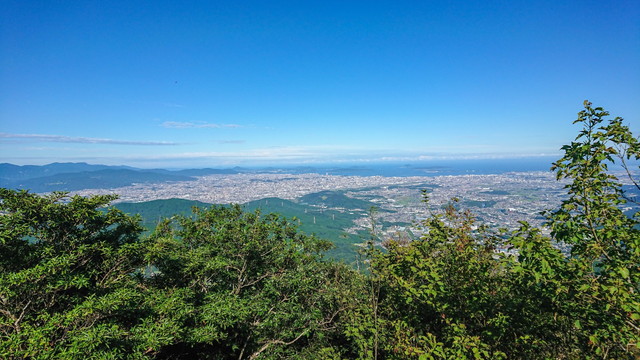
326,214
99,179
153,211
80,176
12,173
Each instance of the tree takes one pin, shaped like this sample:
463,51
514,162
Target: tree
446,295
605,257
67,276
78,281
229,284
450,295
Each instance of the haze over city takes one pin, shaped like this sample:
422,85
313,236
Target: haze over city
196,84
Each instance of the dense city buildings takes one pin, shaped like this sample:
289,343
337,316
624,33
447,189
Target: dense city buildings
499,199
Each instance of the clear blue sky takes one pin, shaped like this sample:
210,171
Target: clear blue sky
225,83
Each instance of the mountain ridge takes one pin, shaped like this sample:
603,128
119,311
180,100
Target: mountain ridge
73,176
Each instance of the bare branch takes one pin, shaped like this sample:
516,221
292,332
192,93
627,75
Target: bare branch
276,342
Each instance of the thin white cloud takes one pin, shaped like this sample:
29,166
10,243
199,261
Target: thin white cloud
266,156
82,140
308,156
272,153
479,156
197,125
231,141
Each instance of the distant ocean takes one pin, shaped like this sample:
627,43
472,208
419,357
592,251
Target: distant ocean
427,168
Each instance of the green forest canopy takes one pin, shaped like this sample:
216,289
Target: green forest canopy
223,283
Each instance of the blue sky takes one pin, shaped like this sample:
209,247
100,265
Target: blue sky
212,83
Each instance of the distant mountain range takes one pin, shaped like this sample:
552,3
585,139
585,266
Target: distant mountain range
80,176
10,172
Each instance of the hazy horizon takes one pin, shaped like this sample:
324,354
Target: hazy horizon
285,163
367,168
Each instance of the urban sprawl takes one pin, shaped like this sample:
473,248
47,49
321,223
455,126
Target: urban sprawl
499,200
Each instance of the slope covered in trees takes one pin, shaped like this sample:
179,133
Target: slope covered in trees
221,283
79,176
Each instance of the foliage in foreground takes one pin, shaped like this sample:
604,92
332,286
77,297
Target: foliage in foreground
76,281
221,284
450,295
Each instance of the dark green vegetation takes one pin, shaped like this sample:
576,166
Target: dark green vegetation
325,214
153,212
221,283
336,199
77,281
325,224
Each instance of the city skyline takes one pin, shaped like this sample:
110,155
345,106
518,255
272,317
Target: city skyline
212,84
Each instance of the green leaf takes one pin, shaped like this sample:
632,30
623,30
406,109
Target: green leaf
624,272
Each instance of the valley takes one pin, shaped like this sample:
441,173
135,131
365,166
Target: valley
337,208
